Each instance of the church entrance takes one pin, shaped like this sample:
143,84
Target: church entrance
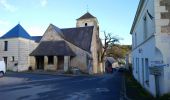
40,62
60,64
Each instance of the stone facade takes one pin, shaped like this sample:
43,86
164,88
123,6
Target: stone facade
96,47
17,54
165,15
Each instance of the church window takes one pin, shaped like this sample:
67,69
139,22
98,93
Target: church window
85,24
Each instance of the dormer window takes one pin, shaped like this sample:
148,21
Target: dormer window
85,24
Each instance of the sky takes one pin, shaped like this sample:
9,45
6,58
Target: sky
114,16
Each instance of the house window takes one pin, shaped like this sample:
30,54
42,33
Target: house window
5,45
143,81
138,69
136,65
135,40
50,60
13,59
147,71
145,27
85,24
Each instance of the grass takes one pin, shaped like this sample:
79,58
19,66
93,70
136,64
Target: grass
136,92
134,89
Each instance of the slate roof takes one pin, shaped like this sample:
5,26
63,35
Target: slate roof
17,31
53,48
80,36
86,16
58,30
36,38
110,59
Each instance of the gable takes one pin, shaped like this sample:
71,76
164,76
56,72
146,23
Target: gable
52,33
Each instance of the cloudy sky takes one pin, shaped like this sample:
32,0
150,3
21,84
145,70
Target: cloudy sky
114,16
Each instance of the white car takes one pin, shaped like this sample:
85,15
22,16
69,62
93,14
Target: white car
2,68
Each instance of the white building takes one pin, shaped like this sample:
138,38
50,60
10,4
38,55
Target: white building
15,47
151,46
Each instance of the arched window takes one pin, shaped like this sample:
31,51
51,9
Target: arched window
85,24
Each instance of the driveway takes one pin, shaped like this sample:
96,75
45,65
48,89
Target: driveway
54,87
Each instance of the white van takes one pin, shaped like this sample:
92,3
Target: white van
2,68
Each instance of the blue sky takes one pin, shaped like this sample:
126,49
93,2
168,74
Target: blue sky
114,16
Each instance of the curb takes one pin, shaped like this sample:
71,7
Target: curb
123,92
49,73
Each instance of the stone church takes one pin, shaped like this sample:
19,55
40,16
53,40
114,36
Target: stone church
57,49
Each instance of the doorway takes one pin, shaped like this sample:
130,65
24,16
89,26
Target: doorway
60,64
5,60
40,62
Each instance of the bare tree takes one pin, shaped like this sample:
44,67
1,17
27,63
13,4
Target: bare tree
109,41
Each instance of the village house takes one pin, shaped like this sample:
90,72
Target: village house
151,44
57,49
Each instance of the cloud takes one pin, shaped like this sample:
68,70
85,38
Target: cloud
4,23
7,6
43,3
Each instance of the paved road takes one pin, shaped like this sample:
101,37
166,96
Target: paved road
50,87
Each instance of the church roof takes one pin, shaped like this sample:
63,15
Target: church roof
80,36
17,31
53,48
86,16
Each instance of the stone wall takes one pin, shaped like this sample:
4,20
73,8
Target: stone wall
11,52
165,15
80,60
90,22
50,67
25,48
52,34
19,49
95,44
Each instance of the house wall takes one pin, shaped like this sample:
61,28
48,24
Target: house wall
25,48
20,49
12,52
162,18
155,47
143,45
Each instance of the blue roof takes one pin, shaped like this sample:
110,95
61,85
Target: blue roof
17,31
36,38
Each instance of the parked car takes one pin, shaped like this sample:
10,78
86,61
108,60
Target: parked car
121,69
2,68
